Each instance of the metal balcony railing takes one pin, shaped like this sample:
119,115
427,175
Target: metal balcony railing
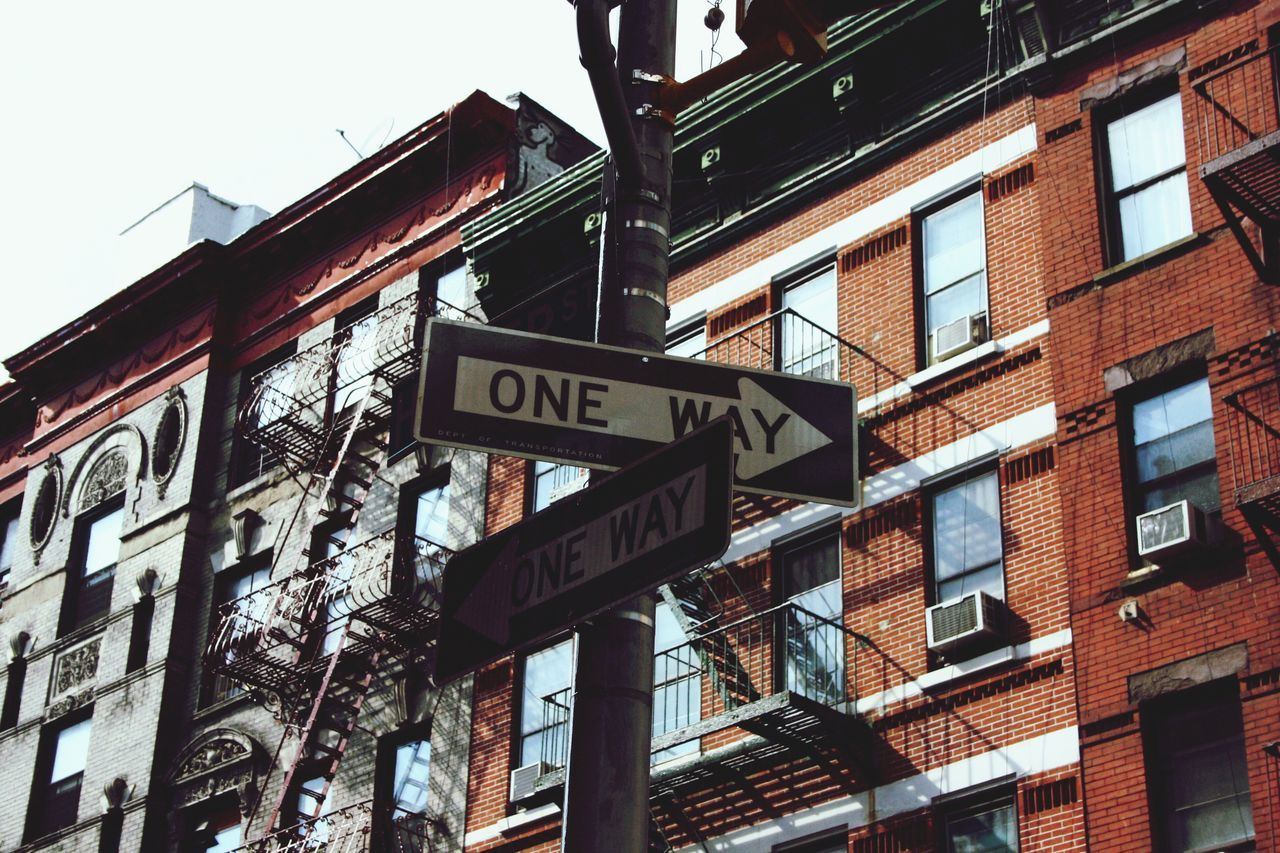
393,590
1253,425
1236,106
786,649
292,405
785,341
366,827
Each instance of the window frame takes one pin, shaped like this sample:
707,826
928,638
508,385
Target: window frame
997,794
685,332
930,492
919,215
517,698
532,476
794,279
825,532
210,691
343,326
1108,198
72,619
38,816
385,765
248,460
10,536
1161,710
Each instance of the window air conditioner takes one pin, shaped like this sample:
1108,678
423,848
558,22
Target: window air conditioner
1175,530
963,621
524,778
959,335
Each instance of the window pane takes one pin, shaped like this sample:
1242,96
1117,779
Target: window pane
1146,143
814,299
1183,449
688,343
963,299
71,751
103,548
544,710
1155,216
953,243
413,767
989,580
552,482
807,344
966,529
356,360
451,288
432,519
811,566
1172,411
994,831
9,542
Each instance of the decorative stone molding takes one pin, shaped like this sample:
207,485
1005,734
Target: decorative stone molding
147,582
216,762
113,437
67,704
116,793
20,645
106,479
244,524
169,438
45,511
76,667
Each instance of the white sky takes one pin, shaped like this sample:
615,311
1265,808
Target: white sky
109,109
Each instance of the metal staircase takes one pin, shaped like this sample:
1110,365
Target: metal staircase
698,610
312,643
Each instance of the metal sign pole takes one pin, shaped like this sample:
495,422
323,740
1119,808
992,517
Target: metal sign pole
607,781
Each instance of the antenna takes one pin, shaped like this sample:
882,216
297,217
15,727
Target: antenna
343,134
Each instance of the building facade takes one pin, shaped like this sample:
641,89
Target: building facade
210,494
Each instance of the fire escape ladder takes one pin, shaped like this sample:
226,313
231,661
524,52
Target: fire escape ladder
327,731
1238,129
697,610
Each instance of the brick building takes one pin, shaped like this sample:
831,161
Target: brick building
217,458
1040,239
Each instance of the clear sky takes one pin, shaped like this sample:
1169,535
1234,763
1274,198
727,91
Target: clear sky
109,109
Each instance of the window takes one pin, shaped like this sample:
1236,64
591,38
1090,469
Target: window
411,773
269,382
92,575
58,793
431,509
967,547
807,324
451,291
1197,771
356,342
953,260
330,546
222,832
1174,455
8,539
247,587
1145,177
545,693
552,481
989,826
689,340
809,572
677,682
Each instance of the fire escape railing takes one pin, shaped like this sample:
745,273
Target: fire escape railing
785,649
393,590
785,341
366,827
1236,106
293,406
1253,427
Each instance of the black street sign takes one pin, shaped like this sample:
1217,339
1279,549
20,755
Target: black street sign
656,520
600,406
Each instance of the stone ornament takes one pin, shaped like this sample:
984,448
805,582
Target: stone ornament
20,645
76,667
106,479
45,510
167,443
67,704
115,438
116,793
216,762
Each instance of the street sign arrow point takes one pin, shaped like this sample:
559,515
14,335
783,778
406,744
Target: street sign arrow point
787,436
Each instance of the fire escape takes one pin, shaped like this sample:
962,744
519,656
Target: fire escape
313,643
1253,427
1239,137
758,705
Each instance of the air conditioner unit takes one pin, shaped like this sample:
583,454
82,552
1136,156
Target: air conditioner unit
524,778
1175,530
964,621
959,335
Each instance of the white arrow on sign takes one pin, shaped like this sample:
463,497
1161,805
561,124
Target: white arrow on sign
767,433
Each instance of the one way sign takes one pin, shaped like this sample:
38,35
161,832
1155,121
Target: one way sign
599,406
